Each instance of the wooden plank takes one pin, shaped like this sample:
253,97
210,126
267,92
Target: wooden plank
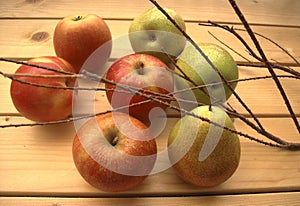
16,43
276,199
38,161
262,96
283,12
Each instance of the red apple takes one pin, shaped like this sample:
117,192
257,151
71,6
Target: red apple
141,71
77,37
114,152
43,104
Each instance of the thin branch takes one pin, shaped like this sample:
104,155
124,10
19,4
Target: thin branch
275,66
276,44
133,89
77,118
209,62
149,99
265,60
157,97
231,30
72,119
235,80
227,46
249,49
128,88
35,65
184,76
261,129
42,76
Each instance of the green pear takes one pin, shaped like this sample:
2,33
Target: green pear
195,66
202,153
152,33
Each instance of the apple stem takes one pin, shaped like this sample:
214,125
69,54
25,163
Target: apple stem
140,68
115,141
77,18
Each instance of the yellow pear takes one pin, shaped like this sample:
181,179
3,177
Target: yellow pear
201,153
194,65
152,33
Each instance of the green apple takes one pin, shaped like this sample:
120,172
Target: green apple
152,33
195,67
202,153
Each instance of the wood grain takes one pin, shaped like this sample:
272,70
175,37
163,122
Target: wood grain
284,12
38,161
259,95
16,43
36,166
276,199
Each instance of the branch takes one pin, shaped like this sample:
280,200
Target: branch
209,62
260,129
157,97
249,49
35,65
229,47
265,60
275,43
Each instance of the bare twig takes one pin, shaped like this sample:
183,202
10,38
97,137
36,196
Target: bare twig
233,30
237,35
209,62
265,60
275,43
35,65
260,129
226,45
156,98
151,96
86,116
235,80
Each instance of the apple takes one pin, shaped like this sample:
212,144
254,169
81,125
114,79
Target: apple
193,64
201,153
151,31
38,103
114,152
141,71
77,37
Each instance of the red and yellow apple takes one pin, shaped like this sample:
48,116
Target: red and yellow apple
114,152
143,72
77,37
38,103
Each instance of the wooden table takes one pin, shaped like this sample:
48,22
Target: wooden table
36,166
